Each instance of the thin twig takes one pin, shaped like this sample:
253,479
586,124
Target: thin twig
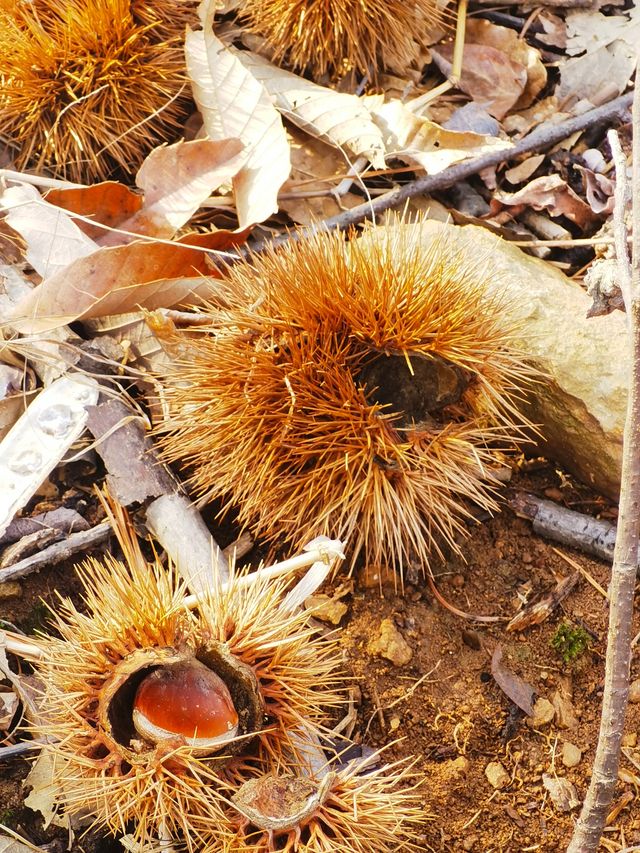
57,552
590,825
619,226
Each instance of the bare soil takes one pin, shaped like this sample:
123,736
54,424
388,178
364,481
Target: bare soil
456,720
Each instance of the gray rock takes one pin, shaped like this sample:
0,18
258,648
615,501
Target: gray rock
580,405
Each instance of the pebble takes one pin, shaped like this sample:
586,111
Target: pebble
634,691
325,608
469,842
630,740
562,792
390,644
496,775
394,724
543,714
10,589
571,755
460,765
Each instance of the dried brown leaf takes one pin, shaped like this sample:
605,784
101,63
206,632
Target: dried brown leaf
117,279
108,203
338,118
418,140
516,688
235,105
53,239
551,193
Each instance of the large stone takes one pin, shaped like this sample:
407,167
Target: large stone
580,402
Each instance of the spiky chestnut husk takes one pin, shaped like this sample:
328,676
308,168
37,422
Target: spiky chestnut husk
338,35
353,809
90,87
135,620
275,404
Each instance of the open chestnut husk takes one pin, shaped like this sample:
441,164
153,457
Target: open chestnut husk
204,698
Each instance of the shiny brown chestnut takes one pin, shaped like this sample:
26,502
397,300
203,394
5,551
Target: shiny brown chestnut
185,698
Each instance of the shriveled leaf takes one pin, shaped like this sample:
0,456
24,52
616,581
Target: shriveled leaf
53,239
589,30
482,32
234,104
8,706
501,72
520,173
551,193
117,279
45,791
520,693
176,179
109,203
540,610
584,77
562,792
315,168
419,140
489,76
599,191
338,118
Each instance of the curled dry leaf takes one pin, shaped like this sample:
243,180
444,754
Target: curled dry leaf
589,30
175,180
418,140
338,118
501,72
536,612
117,279
604,51
315,169
108,203
562,792
520,693
599,191
551,193
53,239
236,105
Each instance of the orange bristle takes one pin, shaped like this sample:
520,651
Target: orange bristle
340,35
287,406
88,88
135,623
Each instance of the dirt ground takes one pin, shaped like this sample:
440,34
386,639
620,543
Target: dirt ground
443,706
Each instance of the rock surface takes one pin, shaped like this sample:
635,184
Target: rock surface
579,403
571,755
543,714
634,691
390,644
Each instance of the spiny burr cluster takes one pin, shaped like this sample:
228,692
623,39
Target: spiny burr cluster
355,389
338,35
88,87
280,679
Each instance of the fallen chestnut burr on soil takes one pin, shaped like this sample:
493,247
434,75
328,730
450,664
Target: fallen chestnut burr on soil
490,771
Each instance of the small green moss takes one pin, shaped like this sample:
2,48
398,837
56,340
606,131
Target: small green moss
570,641
7,817
36,619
